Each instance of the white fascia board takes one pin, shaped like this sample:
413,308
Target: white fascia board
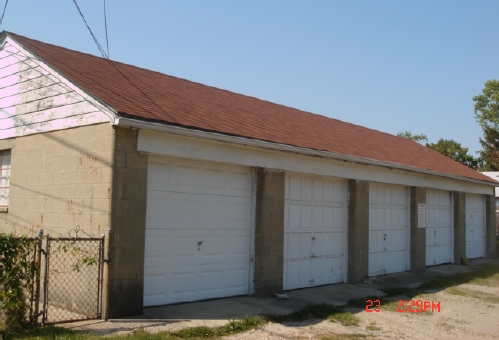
99,104
127,122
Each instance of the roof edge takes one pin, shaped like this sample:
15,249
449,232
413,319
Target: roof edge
140,124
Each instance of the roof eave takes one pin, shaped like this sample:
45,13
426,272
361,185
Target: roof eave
139,124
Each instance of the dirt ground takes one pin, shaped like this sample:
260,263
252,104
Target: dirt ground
467,311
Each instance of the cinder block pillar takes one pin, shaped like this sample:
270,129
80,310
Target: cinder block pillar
269,232
358,230
125,281
418,235
490,245
459,226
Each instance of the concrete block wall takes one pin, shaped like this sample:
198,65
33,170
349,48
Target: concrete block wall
459,226
59,180
128,222
418,235
269,232
358,230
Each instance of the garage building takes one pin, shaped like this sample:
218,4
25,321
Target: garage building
209,193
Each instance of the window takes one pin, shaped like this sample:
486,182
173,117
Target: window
4,178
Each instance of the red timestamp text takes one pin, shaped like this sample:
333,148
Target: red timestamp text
418,306
414,306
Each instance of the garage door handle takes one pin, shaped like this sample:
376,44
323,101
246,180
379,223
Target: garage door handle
199,244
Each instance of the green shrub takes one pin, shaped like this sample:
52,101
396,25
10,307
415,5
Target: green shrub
17,274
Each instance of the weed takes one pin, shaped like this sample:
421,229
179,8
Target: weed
372,327
484,297
338,336
320,311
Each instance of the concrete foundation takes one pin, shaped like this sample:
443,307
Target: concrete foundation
490,233
459,226
269,232
358,230
418,235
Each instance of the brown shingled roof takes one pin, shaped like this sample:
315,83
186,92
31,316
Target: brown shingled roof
151,96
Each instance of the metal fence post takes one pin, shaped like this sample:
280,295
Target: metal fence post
105,276
45,281
37,279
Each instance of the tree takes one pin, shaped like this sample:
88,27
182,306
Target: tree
487,115
454,150
417,138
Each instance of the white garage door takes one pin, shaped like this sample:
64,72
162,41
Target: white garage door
314,231
439,237
197,231
475,226
388,229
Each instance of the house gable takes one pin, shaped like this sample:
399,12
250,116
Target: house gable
35,98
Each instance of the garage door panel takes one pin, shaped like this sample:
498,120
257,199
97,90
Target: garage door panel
376,240
294,216
395,240
330,217
188,177
306,190
396,262
388,229
475,226
317,217
438,227
325,244
339,217
314,230
318,190
376,264
292,272
197,231
331,193
292,244
306,216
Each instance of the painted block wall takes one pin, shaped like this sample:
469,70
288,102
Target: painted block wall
59,180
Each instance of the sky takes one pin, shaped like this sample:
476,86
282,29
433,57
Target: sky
388,65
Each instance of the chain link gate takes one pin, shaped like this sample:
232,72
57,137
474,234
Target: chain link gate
72,277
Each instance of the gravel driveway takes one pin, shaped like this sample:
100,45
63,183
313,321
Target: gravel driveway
467,311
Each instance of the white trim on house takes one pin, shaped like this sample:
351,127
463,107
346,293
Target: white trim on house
249,155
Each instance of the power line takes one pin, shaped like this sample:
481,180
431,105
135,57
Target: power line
4,9
91,33
105,26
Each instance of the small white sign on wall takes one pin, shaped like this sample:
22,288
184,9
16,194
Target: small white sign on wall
421,215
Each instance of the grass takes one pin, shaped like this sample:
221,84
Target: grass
484,297
233,327
319,311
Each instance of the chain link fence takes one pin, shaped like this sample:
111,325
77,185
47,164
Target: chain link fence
72,278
